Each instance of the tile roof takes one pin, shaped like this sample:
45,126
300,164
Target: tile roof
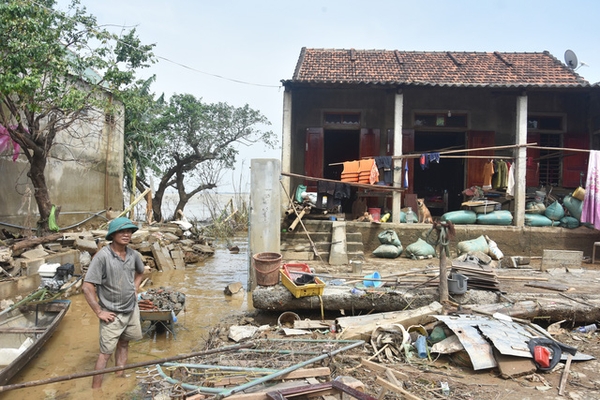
393,67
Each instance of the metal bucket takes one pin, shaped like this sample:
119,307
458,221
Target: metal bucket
267,267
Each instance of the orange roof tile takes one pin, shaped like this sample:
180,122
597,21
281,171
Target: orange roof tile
394,67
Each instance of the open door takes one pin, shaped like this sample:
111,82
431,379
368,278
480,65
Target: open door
313,156
478,139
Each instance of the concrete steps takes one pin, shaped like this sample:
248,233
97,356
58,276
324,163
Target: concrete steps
296,246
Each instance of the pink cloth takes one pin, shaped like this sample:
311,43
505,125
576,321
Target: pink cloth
590,211
6,143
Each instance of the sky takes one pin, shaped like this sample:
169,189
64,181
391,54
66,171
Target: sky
239,51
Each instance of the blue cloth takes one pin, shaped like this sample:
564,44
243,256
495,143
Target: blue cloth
385,163
406,174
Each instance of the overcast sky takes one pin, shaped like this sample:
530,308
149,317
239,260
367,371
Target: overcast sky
239,51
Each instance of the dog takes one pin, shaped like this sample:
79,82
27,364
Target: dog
424,213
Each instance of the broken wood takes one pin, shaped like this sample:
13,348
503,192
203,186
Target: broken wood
565,375
550,286
395,388
19,247
304,211
162,263
360,327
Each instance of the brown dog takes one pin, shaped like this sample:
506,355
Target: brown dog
424,213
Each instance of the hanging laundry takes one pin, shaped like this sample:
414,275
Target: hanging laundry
374,175
488,172
433,157
510,183
365,170
6,143
501,175
405,183
424,162
350,171
385,164
590,212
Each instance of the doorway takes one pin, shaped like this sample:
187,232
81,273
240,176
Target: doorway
440,181
339,146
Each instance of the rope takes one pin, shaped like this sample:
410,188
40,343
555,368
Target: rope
444,230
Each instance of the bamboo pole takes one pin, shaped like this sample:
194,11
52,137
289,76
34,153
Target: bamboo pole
130,207
122,368
355,184
508,146
560,149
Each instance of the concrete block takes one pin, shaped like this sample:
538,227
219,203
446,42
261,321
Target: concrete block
298,255
86,245
338,255
30,267
20,286
171,237
38,252
561,259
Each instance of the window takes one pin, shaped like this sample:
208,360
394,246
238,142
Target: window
441,120
342,119
545,123
549,160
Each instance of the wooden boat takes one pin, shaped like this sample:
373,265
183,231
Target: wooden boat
24,331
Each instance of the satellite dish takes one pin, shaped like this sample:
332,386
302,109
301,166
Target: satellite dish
571,59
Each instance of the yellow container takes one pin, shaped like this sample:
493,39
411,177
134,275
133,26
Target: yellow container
289,272
579,193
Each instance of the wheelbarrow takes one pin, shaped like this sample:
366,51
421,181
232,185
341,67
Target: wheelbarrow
166,318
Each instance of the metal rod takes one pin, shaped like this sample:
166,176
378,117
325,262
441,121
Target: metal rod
122,368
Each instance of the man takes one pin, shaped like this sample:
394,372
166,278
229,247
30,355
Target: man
110,288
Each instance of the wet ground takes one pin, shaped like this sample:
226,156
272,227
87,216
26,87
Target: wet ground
74,346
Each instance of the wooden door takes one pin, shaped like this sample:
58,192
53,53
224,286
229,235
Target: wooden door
575,165
313,156
478,139
369,142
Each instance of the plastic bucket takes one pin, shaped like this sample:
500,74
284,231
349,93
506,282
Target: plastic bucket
540,196
267,267
457,284
369,282
375,213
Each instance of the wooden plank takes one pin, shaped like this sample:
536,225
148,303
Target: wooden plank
513,367
547,285
177,256
162,263
375,367
312,324
303,373
561,259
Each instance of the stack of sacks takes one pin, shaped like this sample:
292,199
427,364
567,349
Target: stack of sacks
350,172
368,172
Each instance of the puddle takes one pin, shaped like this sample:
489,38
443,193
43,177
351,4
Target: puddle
74,346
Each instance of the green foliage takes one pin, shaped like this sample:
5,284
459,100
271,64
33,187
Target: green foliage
48,78
200,142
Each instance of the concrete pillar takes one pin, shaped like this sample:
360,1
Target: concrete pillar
286,147
396,197
265,210
521,161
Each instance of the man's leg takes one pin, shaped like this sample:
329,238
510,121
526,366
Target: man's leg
100,364
121,355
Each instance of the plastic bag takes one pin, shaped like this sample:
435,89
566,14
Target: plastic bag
479,244
420,249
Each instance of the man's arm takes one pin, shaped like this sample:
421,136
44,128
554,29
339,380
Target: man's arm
89,290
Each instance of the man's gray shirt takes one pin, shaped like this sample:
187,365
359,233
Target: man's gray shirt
114,279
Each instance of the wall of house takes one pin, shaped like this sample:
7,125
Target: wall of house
84,174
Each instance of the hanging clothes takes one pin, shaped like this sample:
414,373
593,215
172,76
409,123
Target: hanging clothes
510,183
488,172
500,180
385,164
405,183
590,212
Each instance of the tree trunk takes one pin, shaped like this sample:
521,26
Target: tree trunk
41,194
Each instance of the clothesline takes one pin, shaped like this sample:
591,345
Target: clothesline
359,185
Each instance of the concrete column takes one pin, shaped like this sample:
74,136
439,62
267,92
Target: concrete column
286,147
521,161
265,201
396,199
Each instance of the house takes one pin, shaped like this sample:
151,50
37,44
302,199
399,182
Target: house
346,104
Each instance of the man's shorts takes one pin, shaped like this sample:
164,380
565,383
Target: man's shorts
125,326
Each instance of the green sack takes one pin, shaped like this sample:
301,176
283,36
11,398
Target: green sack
569,222
461,217
387,251
501,217
537,220
574,206
555,211
479,244
419,249
299,190
389,237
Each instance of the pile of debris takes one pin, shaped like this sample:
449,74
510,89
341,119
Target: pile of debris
163,247
161,299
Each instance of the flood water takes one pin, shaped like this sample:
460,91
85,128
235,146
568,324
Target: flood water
74,346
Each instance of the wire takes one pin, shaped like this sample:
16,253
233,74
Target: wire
160,57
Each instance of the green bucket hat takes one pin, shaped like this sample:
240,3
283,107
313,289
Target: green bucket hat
119,224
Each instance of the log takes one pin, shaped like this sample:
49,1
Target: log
298,218
21,246
556,308
397,389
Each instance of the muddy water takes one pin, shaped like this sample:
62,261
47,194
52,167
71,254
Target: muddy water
74,346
